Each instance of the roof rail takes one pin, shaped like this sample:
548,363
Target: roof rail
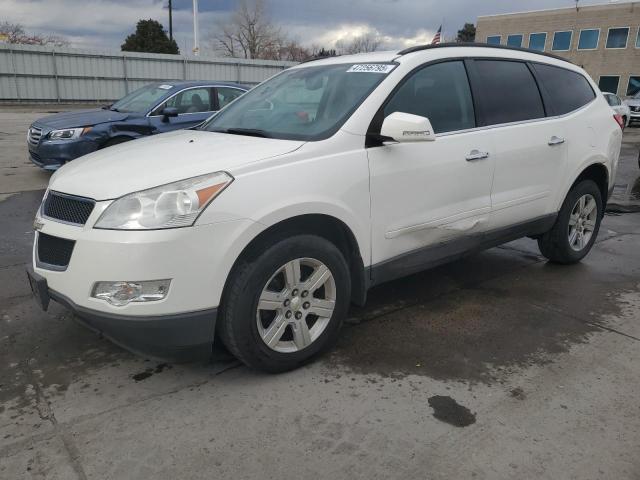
418,48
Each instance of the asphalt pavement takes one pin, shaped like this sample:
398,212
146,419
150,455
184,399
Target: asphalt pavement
497,366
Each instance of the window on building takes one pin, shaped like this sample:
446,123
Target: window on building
514,40
439,92
562,41
609,83
617,37
537,41
509,92
494,40
589,39
638,39
567,90
633,86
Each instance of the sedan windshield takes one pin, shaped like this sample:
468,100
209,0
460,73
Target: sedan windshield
143,99
309,103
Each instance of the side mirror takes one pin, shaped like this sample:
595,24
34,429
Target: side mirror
405,127
169,112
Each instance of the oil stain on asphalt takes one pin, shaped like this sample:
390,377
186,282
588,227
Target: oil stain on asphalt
138,377
447,410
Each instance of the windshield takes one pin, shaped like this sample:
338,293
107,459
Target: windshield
637,95
309,103
143,99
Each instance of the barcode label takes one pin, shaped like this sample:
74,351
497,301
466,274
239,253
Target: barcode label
370,68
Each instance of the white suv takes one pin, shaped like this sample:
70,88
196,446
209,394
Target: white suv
263,225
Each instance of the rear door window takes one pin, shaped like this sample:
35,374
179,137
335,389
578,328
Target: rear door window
567,90
509,92
226,95
439,92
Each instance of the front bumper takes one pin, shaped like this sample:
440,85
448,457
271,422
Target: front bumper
196,259
51,155
177,337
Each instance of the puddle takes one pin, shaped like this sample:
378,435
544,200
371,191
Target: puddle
477,335
447,410
635,190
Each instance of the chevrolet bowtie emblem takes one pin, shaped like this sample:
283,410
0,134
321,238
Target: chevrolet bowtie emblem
37,225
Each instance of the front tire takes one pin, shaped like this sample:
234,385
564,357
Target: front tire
576,227
285,305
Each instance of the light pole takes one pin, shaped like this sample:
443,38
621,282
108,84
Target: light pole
170,21
196,47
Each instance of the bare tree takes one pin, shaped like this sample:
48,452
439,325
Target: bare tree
249,33
367,42
16,34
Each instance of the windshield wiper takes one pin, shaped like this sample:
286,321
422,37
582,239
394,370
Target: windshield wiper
250,132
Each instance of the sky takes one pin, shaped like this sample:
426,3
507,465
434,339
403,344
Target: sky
104,24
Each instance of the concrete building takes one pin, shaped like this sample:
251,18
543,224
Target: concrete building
603,39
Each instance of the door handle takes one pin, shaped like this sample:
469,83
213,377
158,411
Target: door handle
476,155
555,141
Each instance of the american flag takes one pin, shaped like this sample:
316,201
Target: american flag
436,38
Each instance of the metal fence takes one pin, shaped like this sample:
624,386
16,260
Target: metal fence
41,74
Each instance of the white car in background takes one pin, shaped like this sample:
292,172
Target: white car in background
621,107
633,103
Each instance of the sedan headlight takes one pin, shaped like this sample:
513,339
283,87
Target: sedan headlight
167,206
68,133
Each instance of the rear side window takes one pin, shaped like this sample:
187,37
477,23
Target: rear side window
567,90
439,92
509,92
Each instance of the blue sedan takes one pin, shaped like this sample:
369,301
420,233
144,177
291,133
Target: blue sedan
155,108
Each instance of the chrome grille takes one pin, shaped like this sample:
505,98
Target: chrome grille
67,208
33,135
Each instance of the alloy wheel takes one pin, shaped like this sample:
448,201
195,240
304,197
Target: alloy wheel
296,305
582,222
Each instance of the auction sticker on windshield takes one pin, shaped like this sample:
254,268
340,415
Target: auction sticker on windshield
165,87
371,68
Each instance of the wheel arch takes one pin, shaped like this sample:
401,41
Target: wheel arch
599,173
326,226
116,139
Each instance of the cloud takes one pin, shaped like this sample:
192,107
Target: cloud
105,23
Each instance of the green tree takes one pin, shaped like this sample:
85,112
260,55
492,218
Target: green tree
468,33
150,37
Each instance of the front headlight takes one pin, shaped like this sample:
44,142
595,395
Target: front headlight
68,133
167,206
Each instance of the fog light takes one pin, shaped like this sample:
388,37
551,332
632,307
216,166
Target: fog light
122,293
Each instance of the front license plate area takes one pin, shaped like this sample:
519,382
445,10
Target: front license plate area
39,289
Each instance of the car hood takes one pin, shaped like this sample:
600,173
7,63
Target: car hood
632,102
82,118
161,159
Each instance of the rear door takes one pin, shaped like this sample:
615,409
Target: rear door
530,149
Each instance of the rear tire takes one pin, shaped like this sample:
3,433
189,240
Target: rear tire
267,317
576,227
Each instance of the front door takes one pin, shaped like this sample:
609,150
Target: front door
430,200
194,105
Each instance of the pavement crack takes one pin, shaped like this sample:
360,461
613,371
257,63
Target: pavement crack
46,414
581,320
